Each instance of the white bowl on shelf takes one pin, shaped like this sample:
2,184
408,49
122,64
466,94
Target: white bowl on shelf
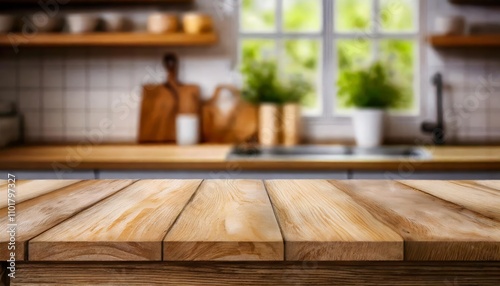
163,23
82,23
113,22
6,23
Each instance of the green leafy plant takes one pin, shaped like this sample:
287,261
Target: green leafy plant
372,87
262,84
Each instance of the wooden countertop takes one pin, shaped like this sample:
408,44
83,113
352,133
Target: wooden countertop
252,220
213,157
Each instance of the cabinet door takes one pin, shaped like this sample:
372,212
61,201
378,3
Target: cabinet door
222,175
427,175
51,175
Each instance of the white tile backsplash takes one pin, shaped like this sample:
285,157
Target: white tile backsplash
76,99
8,76
75,119
52,76
53,99
29,99
53,121
30,76
76,77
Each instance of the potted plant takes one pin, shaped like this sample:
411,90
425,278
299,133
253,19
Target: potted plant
371,92
278,98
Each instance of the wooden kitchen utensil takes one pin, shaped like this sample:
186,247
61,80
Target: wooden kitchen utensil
238,124
158,112
188,94
162,103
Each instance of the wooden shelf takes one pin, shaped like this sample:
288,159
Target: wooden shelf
465,41
16,4
109,40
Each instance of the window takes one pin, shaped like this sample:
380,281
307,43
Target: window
321,38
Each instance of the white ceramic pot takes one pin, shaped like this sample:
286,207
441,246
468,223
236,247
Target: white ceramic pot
163,23
113,22
187,128
6,23
449,25
369,127
82,23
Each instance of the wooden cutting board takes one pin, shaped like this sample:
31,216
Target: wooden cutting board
237,124
162,103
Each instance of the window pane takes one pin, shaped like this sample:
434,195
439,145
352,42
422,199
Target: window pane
258,15
400,54
256,49
302,15
352,15
303,57
398,15
352,54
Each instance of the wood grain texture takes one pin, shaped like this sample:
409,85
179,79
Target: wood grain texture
320,222
213,157
226,220
260,274
129,227
110,40
474,41
476,198
41,213
158,114
26,190
236,125
433,229
491,185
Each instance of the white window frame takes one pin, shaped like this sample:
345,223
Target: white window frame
327,94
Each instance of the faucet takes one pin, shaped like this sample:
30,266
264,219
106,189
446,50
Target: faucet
437,129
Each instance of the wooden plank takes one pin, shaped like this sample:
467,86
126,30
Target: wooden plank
227,220
109,40
128,227
490,185
260,273
41,213
320,222
465,41
26,190
433,229
479,199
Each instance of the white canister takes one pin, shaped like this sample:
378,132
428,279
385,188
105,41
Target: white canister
449,25
369,127
187,129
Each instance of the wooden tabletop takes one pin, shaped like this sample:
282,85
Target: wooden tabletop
252,220
213,158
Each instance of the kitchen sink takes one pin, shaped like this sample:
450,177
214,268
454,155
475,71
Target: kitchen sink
328,153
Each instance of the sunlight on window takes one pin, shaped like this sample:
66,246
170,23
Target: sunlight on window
302,57
258,15
258,49
302,15
352,15
399,55
397,15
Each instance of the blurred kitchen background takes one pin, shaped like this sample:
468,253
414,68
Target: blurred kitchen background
64,91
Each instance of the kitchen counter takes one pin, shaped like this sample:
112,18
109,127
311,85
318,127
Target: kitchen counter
256,232
213,157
